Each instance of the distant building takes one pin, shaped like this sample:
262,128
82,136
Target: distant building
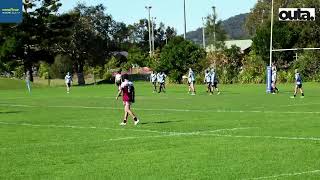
244,45
120,53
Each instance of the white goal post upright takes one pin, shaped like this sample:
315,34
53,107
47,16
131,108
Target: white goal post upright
269,72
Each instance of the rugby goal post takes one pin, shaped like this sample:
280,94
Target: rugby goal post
269,68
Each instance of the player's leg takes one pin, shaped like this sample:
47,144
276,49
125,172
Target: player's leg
128,110
273,88
295,91
160,87
125,118
29,86
154,87
216,87
67,87
302,92
192,88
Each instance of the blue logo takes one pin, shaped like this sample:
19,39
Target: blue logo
11,11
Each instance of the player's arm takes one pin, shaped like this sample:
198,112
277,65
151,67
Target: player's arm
119,93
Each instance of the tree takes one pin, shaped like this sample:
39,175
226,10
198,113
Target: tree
90,41
30,40
214,32
178,56
136,57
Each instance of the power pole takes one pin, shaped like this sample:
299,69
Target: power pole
185,19
203,33
152,26
214,27
149,27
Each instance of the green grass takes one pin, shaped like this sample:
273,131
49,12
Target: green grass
53,135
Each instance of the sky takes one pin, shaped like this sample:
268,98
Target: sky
170,12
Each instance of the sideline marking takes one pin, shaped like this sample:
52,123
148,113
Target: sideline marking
173,110
172,134
285,175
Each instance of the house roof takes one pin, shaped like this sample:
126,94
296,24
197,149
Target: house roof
242,44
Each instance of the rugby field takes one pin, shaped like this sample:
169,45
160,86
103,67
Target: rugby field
243,133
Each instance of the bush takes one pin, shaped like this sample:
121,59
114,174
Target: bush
176,76
286,76
199,79
19,72
61,66
107,76
309,65
98,72
44,70
253,70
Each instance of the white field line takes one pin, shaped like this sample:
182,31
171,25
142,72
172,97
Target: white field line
147,137
113,129
80,127
285,175
266,137
171,134
166,134
218,135
88,97
289,105
172,110
233,129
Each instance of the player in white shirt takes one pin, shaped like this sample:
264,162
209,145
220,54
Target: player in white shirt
214,81
68,81
28,81
207,80
161,80
298,85
191,82
118,79
153,80
274,80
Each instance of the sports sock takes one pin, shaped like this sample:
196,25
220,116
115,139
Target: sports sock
135,119
302,94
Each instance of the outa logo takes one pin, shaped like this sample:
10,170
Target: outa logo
297,14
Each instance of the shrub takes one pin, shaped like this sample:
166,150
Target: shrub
253,70
62,64
44,70
19,72
309,65
107,76
176,76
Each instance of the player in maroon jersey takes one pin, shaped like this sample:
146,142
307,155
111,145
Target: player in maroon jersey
128,97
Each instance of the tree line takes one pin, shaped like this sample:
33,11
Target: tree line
83,38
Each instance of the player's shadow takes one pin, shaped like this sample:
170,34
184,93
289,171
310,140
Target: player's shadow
10,112
161,122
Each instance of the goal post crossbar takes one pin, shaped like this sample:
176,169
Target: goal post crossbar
294,49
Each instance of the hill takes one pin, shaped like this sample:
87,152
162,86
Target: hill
234,27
